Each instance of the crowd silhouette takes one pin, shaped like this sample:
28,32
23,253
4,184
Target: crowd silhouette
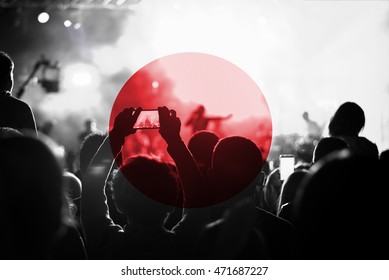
212,201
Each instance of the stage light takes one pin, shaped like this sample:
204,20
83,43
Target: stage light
155,84
77,25
67,23
50,80
43,17
82,79
81,76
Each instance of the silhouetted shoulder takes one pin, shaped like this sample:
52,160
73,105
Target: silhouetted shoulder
17,114
362,146
12,101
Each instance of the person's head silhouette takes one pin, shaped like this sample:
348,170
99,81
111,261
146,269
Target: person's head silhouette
201,145
236,162
348,120
31,196
6,72
138,183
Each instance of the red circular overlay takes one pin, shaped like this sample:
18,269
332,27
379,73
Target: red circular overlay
182,82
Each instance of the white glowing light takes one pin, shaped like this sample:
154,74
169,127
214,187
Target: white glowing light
80,76
43,17
67,23
82,79
77,25
155,84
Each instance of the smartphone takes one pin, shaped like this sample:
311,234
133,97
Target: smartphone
147,119
286,166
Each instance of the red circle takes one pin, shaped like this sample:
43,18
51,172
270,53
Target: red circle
184,80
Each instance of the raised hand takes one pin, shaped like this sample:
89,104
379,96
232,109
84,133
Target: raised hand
122,127
170,125
192,182
124,122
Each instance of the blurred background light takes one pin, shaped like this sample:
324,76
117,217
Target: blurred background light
67,23
80,76
82,79
43,17
77,25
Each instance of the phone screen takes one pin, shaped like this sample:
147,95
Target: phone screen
148,119
286,166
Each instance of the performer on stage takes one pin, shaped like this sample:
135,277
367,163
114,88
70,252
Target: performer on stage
198,120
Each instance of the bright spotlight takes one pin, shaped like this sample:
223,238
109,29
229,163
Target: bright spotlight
81,76
77,25
67,23
82,79
43,17
155,84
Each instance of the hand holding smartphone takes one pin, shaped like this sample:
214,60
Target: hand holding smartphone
148,119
